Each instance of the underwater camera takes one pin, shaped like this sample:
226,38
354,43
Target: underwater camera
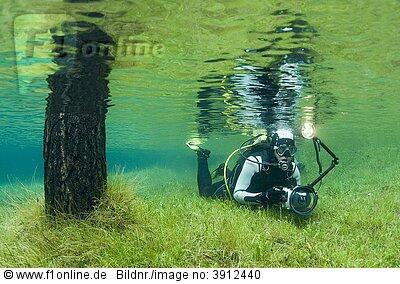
302,200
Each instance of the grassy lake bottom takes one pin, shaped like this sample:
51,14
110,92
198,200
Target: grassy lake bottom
214,72
174,227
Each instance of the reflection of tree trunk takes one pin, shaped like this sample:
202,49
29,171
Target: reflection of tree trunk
75,172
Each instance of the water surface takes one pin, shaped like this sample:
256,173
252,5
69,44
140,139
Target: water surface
214,71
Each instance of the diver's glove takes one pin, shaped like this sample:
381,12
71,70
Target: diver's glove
272,196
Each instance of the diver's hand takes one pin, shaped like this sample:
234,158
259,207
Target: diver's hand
272,196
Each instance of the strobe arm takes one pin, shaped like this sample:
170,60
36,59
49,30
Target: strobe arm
334,163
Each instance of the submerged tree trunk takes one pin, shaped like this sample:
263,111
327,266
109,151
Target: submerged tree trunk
75,173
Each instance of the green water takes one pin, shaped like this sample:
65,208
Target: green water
213,70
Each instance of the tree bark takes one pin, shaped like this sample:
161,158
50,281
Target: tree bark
75,171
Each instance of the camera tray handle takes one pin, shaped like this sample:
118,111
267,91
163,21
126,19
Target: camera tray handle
334,163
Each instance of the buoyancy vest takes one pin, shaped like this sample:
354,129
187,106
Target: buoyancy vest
268,176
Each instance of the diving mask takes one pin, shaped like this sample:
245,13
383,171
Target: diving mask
285,150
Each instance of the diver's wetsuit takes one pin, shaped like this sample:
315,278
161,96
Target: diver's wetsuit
248,179
204,180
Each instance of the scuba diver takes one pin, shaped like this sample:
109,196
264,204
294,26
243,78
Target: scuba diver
259,175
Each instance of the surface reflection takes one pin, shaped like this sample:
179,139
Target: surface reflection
263,97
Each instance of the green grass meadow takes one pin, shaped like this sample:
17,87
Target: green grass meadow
154,216
356,224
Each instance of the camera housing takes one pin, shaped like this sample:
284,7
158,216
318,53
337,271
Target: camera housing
301,199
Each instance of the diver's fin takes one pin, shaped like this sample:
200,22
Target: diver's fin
200,151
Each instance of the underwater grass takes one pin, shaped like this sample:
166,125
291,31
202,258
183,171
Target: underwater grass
173,227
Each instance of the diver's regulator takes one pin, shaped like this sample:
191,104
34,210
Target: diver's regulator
284,165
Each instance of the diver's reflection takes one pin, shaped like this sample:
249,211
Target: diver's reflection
260,97
269,96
